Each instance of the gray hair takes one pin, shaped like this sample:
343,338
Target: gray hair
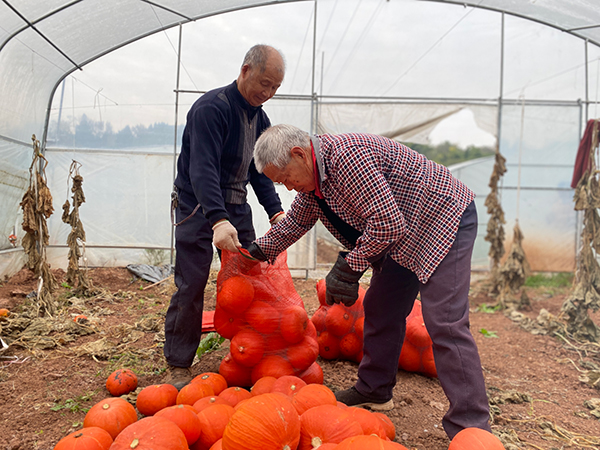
258,56
275,143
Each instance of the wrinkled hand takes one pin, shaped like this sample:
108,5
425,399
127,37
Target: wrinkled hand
256,252
342,283
225,236
277,218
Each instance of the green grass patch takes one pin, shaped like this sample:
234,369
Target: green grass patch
551,280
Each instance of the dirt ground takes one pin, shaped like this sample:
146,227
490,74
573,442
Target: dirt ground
540,386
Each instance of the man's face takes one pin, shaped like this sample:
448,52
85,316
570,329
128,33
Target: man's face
257,87
297,175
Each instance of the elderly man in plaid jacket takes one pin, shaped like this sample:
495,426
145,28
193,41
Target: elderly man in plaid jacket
414,224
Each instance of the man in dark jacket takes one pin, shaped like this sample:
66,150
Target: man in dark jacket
411,221
210,195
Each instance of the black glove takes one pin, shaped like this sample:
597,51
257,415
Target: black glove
256,252
342,283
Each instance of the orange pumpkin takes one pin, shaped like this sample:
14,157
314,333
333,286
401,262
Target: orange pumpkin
191,393
475,439
121,381
369,442
155,397
350,345
313,395
219,445
151,433
213,421
388,425
302,355
247,348
227,324
213,379
314,374
318,319
234,395
288,385
272,365
186,418
321,292
235,294
234,373
369,423
339,320
264,422
416,333
205,402
263,386
326,424
111,414
4,312
91,438
294,321
329,345
263,317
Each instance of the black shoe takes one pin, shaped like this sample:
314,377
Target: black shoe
351,397
178,376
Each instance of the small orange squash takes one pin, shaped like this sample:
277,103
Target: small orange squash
4,312
213,421
369,423
121,381
272,365
288,385
263,317
326,424
339,320
91,438
264,422
329,345
155,397
302,355
350,345
151,433
314,374
191,393
205,402
111,414
475,439
313,395
294,321
263,385
186,418
227,324
247,348
235,294
215,380
234,373
235,394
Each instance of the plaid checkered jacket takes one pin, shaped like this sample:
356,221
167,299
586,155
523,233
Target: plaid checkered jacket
405,205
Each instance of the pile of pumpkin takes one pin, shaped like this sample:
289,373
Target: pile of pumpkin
282,413
340,334
271,334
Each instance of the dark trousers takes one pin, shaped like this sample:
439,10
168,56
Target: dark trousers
193,258
445,303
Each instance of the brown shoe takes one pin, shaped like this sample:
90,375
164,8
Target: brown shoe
178,376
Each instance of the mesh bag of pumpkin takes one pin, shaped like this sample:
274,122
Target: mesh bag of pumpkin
340,334
260,312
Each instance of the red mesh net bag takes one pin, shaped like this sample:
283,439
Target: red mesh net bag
260,312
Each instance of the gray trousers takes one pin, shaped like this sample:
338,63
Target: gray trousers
445,303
